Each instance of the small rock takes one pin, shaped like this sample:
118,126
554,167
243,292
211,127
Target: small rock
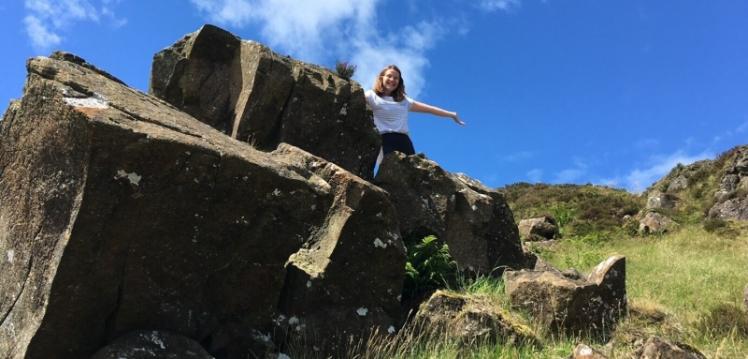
538,229
584,351
657,348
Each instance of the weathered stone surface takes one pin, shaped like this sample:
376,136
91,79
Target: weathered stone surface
246,90
538,229
656,223
474,221
584,351
732,195
575,306
121,213
610,278
678,183
470,319
657,348
348,277
152,345
735,208
659,200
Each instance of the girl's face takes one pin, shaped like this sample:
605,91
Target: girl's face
390,80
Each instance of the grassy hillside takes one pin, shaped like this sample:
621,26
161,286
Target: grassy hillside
685,286
579,210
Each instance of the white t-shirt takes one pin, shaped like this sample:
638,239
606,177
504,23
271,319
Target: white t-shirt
389,115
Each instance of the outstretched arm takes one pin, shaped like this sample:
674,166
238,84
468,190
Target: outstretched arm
422,107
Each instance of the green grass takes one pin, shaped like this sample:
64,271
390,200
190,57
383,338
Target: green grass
685,286
694,275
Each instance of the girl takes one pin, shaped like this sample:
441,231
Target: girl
390,106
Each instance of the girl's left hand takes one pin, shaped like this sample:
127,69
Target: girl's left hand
457,120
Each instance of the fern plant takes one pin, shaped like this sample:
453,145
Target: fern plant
429,267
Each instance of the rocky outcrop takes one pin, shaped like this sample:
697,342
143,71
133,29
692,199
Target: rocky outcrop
244,89
657,348
590,306
474,221
152,345
538,229
122,213
656,223
657,200
471,319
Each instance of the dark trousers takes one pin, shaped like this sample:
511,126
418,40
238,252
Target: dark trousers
397,142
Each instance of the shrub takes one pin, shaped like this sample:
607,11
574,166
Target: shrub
345,69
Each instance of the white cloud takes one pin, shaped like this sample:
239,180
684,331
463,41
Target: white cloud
40,36
518,156
639,179
328,30
571,175
47,19
742,127
535,175
503,5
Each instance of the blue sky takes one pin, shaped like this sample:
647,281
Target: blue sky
555,91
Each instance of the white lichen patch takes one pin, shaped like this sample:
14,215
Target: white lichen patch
11,255
586,351
133,177
379,244
474,207
362,311
308,284
156,340
276,192
391,329
293,320
96,101
283,356
344,110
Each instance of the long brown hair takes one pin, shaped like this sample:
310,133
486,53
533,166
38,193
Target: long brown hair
399,93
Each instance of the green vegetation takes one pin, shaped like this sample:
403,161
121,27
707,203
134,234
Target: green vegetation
345,69
579,210
429,267
685,286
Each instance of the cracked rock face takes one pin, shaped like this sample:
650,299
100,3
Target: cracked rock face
589,306
244,89
122,213
474,221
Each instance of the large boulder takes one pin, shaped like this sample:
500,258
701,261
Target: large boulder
152,345
122,213
470,319
331,290
585,306
658,200
474,221
255,95
656,223
538,229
